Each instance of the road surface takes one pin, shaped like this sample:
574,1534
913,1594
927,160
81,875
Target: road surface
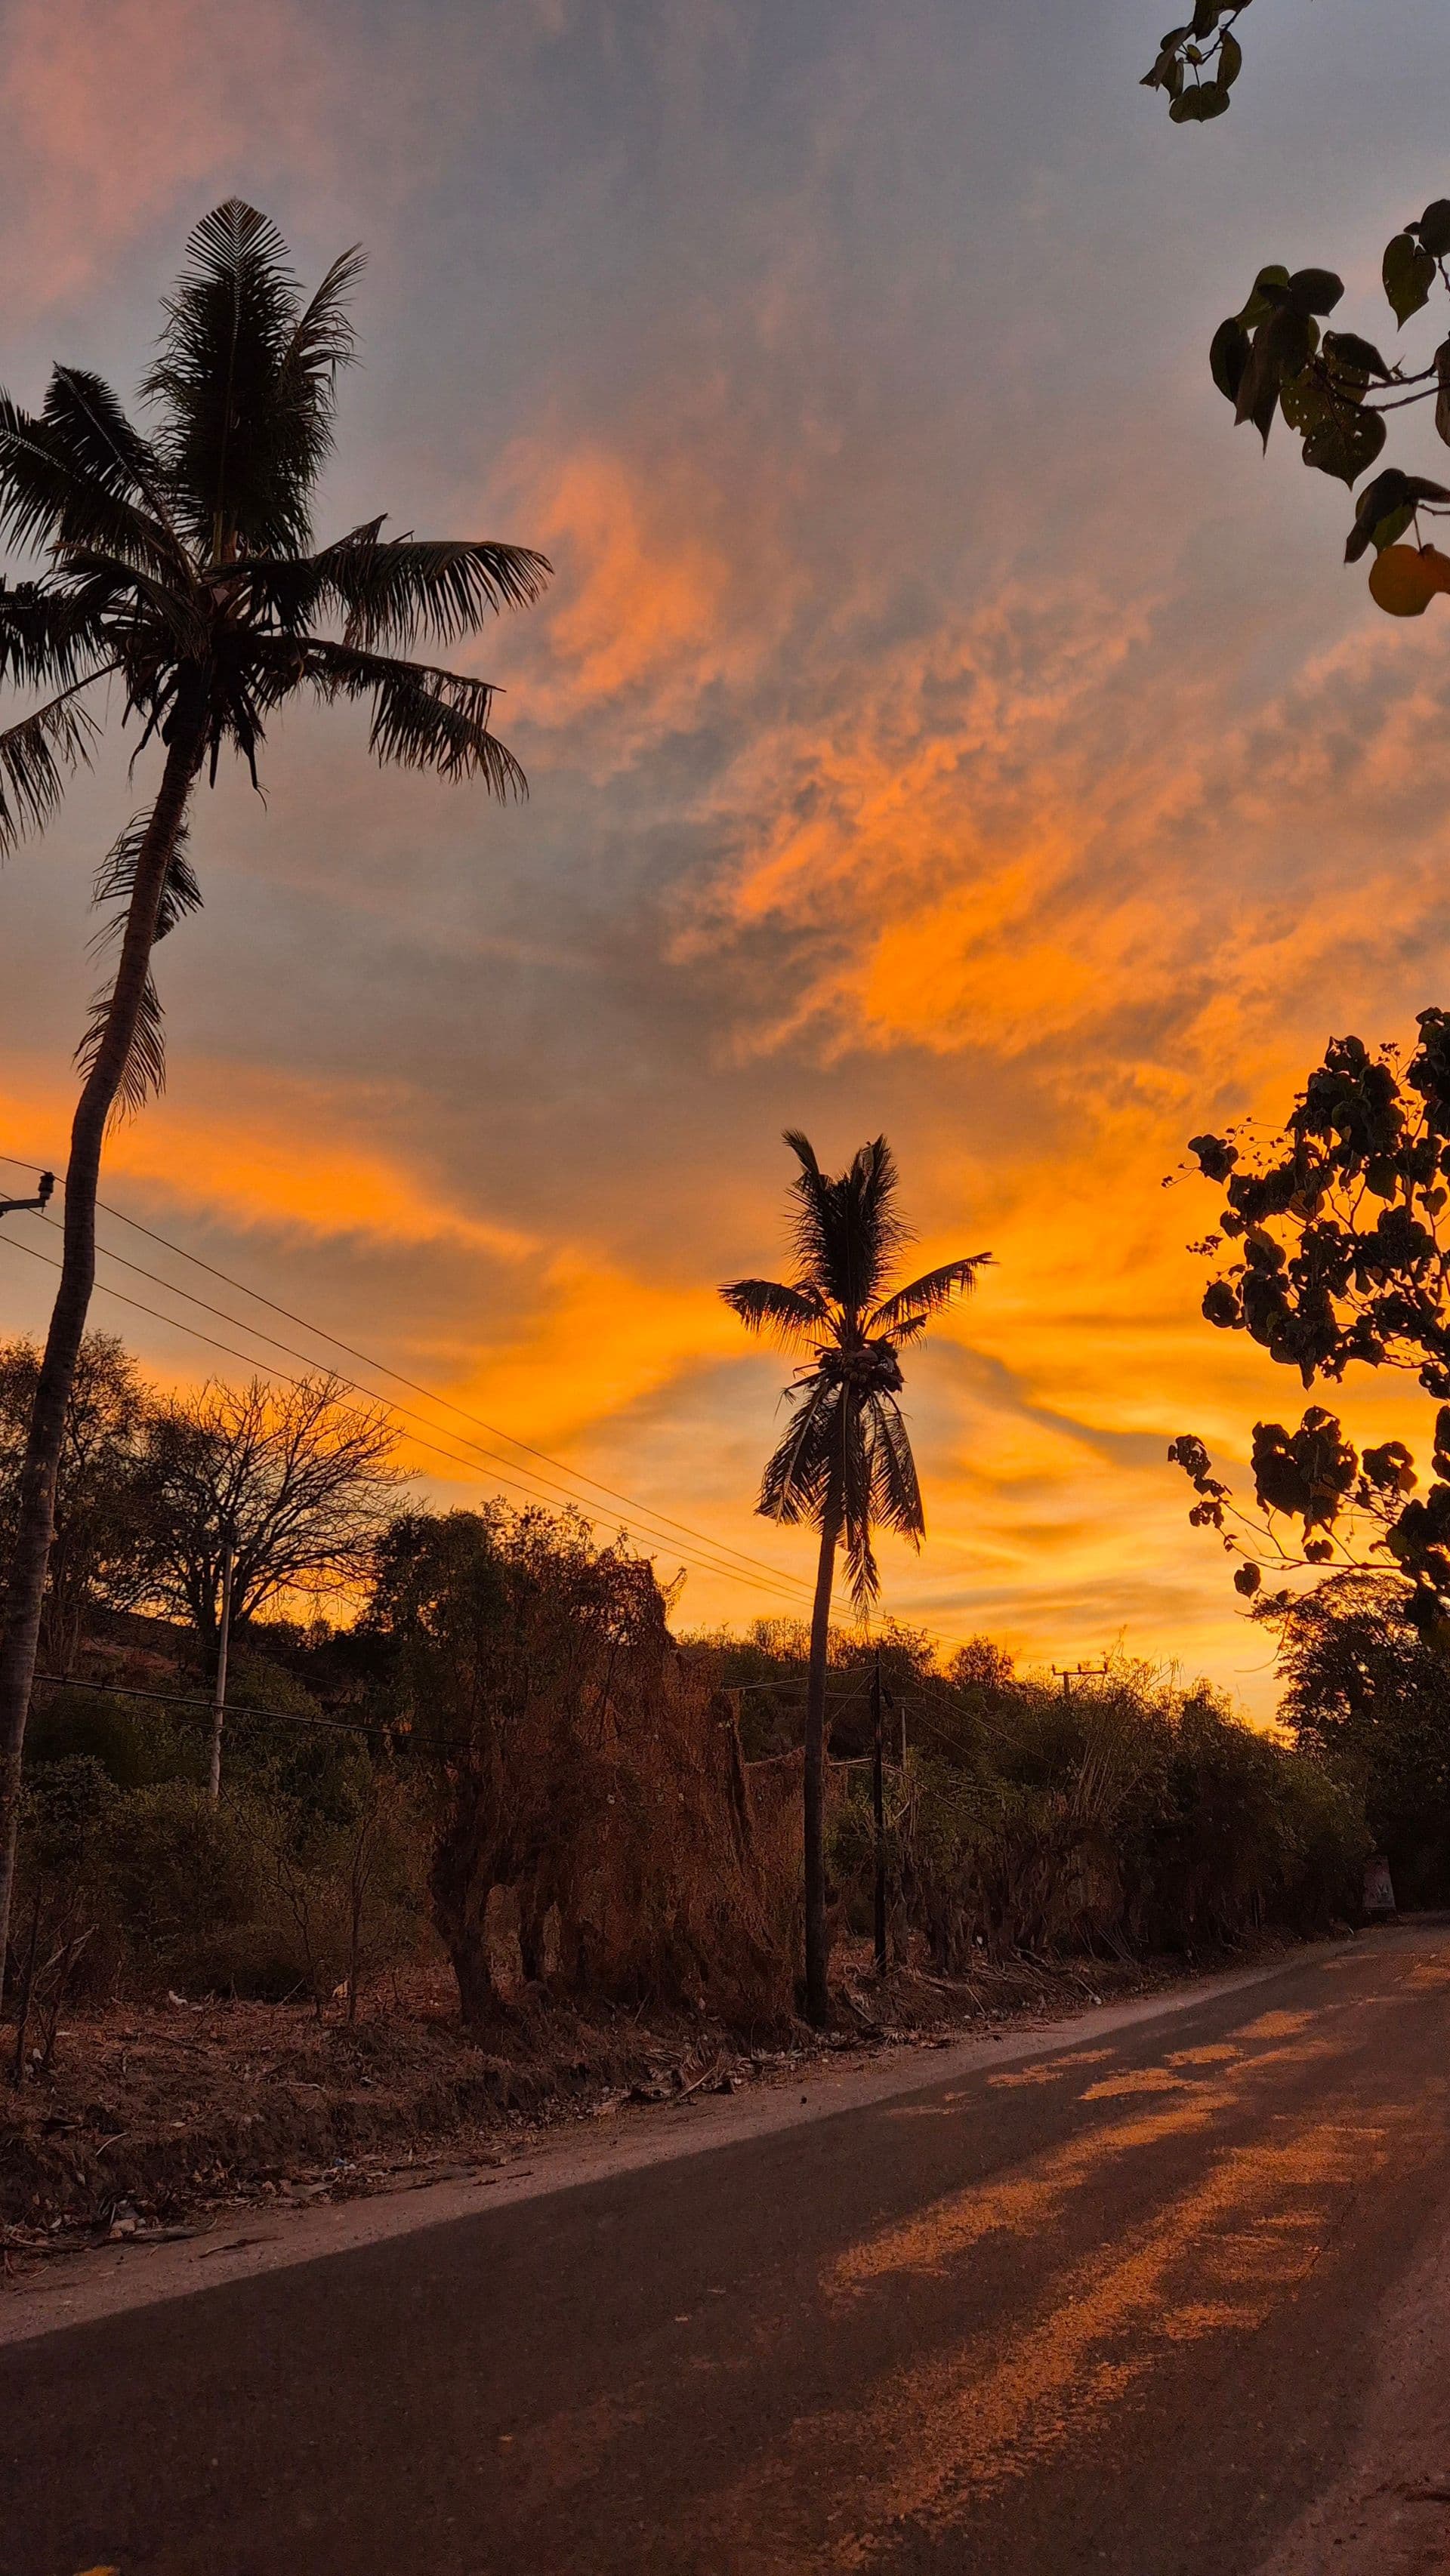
1170,2299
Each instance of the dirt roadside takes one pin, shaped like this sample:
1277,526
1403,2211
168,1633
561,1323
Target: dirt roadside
153,2116
116,2249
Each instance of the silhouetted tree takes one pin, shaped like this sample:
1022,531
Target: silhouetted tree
513,1640
1370,1699
1332,1251
292,1484
844,1462
100,1554
183,566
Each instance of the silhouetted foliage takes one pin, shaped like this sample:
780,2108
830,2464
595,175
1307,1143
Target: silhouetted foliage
1334,1230
101,1550
1136,1817
1367,1696
1197,64
1274,359
586,1826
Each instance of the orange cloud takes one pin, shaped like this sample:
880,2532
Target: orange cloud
268,1153
651,611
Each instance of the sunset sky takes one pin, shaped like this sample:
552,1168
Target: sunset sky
941,721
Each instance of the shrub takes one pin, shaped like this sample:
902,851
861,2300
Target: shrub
1141,1818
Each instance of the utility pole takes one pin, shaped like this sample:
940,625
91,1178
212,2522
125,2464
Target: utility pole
41,1200
1070,1673
878,1809
219,1698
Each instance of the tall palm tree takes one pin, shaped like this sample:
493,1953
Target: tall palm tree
844,1461
181,564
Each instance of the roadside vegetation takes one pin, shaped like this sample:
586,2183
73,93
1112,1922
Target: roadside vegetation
507,1773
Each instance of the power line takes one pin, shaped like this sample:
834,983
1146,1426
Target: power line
784,1584
429,1742
250,1359
405,1412
414,1385
184,1699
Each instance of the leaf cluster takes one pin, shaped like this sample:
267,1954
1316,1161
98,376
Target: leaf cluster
1274,359
1196,65
1341,1220
1340,1216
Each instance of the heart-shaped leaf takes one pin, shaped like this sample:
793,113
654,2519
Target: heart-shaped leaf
1409,273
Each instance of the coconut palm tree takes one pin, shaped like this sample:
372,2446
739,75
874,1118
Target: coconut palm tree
181,565
844,1461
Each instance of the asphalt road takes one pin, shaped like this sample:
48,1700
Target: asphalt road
1124,2306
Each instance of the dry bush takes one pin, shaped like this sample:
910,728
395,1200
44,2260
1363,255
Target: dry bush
594,1830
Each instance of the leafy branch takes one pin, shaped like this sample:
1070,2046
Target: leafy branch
1335,1231
1196,66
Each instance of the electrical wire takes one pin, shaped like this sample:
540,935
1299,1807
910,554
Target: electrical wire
235,1710
783,1584
415,1386
774,1584
719,1550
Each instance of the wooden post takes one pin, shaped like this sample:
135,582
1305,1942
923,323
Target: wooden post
878,1809
219,1698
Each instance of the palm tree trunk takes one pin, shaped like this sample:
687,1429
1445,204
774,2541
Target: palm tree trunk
817,1951
25,1587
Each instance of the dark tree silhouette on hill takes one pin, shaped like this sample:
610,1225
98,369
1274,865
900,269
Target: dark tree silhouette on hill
844,1462
182,565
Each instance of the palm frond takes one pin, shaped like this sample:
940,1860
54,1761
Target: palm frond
116,883
861,1567
52,631
896,1502
440,586
797,1474
36,757
304,406
244,384
792,1316
391,591
855,1472
906,1310
50,499
870,1227
422,718
144,1072
845,1230
106,446
444,588
810,1225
